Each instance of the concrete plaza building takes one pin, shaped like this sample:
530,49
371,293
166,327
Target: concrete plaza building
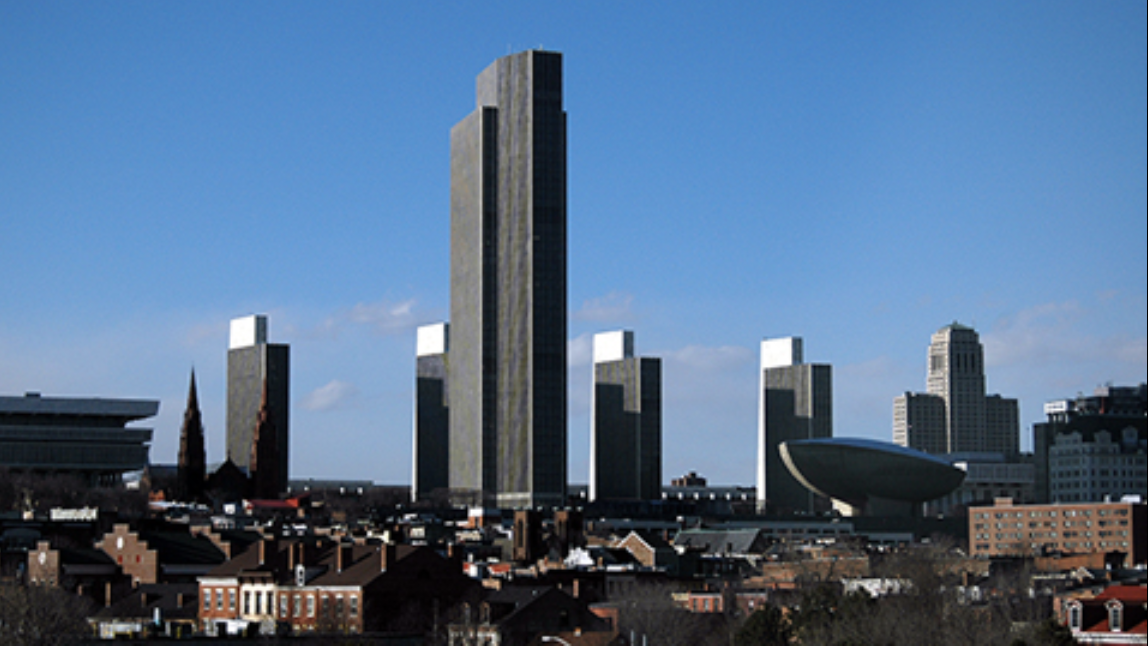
796,403
507,368
626,422
955,415
87,437
251,361
430,468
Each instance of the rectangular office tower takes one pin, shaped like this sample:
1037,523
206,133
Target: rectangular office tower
251,360
508,288
626,426
796,404
430,470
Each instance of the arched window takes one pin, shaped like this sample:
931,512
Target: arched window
1074,616
1115,615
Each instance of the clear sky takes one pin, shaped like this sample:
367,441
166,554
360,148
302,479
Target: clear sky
857,174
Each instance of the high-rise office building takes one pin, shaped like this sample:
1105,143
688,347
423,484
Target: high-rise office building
251,361
955,415
626,421
796,404
507,368
430,468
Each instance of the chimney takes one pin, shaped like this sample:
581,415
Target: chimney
342,556
266,550
456,554
388,555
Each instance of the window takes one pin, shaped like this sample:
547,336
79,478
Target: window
219,599
283,606
1074,616
353,602
207,599
310,605
1115,616
246,602
231,600
298,606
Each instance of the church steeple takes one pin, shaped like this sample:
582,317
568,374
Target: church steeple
192,469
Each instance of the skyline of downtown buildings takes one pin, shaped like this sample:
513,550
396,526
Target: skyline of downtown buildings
490,160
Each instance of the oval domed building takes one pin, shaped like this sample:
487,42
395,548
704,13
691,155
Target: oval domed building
868,477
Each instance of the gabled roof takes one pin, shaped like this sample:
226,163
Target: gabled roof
1125,593
1134,616
174,601
731,541
507,603
183,548
69,556
653,540
362,564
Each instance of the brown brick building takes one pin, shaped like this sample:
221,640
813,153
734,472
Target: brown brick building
320,585
1006,529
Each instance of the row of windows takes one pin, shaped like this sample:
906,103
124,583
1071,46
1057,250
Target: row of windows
1049,513
1049,524
260,603
1050,534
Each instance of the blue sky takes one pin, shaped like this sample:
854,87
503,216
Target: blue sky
857,174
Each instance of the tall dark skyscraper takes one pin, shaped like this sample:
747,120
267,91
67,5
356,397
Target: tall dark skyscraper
251,360
507,368
626,427
796,404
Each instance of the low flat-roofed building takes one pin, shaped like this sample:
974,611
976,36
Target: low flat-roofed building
988,476
87,437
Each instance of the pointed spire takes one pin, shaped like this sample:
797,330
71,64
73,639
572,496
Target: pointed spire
192,468
192,395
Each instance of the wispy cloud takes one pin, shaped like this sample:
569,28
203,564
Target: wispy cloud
1051,333
711,359
381,317
580,351
614,307
333,395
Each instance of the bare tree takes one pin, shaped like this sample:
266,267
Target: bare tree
648,615
41,616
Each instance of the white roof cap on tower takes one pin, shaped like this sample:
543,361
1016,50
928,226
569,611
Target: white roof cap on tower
777,353
613,346
433,339
248,331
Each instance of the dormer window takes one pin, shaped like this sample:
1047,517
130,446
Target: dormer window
1074,613
1115,615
